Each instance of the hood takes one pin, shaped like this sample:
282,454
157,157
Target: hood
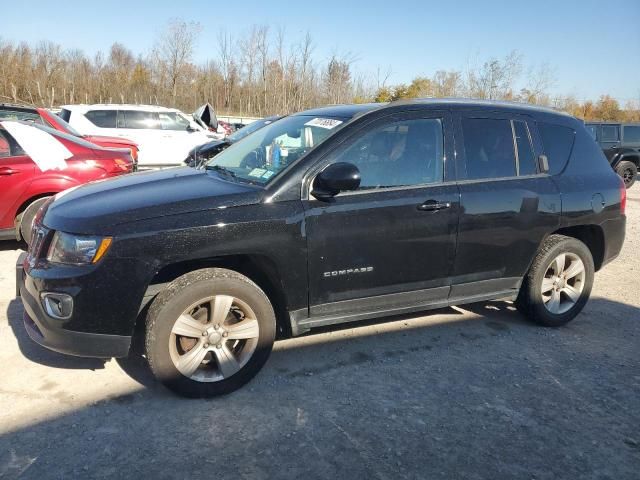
115,140
99,207
206,117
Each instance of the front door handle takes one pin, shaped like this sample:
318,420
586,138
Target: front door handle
433,206
7,171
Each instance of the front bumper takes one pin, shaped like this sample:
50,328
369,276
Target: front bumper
49,332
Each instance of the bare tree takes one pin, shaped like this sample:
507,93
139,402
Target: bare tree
174,50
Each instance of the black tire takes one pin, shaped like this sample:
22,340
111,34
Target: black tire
179,296
24,221
530,299
628,171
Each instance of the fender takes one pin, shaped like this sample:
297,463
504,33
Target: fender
625,154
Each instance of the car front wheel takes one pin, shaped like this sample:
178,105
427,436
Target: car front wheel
209,333
559,282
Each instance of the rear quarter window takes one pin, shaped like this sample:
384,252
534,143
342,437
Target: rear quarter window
558,142
65,114
102,118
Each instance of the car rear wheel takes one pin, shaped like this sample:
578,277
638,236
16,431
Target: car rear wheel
628,171
559,282
209,333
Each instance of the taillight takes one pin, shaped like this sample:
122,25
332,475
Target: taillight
623,197
122,165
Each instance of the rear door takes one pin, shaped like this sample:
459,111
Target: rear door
507,205
16,173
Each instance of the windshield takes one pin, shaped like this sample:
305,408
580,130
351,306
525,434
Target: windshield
53,118
261,156
250,128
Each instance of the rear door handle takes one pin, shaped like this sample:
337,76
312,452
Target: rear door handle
7,171
433,206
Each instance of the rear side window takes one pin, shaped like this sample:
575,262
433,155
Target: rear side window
8,145
610,133
488,145
558,143
631,133
526,159
593,130
102,118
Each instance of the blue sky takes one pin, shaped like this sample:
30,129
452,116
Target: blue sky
589,44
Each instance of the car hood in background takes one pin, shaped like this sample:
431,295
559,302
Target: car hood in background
99,207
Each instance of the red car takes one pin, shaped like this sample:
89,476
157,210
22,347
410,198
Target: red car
24,185
50,119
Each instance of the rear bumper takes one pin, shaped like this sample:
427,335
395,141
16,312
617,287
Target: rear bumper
49,333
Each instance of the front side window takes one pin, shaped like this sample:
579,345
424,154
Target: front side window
610,133
526,158
261,156
102,118
402,153
488,145
631,133
5,150
140,120
173,121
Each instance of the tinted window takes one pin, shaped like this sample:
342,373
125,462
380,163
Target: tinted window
592,129
65,114
558,142
138,119
526,158
631,134
609,133
408,152
488,144
102,118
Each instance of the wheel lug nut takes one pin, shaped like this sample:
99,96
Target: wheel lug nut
206,345
204,334
216,327
225,334
219,345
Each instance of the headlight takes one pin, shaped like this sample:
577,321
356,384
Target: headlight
69,249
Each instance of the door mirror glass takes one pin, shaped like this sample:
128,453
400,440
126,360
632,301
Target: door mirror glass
336,178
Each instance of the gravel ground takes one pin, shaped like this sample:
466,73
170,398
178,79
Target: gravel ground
474,392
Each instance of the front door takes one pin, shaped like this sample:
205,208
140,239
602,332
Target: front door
392,242
16,173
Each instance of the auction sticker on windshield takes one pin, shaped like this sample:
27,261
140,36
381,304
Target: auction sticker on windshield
328,123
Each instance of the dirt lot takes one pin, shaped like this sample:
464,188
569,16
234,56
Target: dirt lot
474,392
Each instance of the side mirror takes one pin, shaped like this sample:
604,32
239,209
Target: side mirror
336,178
543,164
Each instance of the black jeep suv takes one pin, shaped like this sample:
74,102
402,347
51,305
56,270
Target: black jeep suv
331,215
621,145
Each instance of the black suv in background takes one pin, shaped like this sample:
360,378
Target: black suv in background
621,145
331,215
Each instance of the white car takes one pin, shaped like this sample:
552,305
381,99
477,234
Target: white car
164,135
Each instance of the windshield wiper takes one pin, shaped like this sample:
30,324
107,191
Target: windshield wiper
223,170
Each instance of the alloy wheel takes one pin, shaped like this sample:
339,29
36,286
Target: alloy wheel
214,338
563,283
